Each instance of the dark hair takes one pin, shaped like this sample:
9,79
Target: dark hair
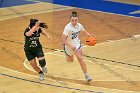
74,14
33,22
43,25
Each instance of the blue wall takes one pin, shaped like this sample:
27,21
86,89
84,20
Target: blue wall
98,5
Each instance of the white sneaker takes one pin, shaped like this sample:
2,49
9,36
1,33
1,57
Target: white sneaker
41,76
88,78
44,69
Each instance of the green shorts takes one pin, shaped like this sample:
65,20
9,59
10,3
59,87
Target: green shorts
32,53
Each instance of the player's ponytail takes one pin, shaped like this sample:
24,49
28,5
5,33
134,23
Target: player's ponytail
74,14
33,22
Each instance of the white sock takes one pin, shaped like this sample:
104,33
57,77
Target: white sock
86,74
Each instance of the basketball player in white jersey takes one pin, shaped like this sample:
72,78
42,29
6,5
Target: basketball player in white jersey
72,44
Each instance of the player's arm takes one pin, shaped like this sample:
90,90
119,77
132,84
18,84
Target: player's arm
64,40
33,29
45,33
87,33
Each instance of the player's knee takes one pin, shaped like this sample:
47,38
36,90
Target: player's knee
40,58
69,60
42,62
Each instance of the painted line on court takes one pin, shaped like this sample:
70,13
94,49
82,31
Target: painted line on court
109,12
105,64
55,49
98,11
66,82
26,61
112,41
53,53
48,84
85,55
68,9
17,71
55,3
19,14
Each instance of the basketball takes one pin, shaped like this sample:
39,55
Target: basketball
91,41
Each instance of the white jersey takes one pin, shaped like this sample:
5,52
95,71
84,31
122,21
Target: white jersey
72,33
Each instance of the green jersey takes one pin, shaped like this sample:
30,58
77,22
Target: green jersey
32,42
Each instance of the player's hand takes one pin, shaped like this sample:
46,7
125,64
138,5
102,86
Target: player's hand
93,35
37,24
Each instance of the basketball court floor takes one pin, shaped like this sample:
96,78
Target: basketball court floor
113,62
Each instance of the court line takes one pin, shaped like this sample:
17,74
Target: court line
85,55
99,11
55,49
25,62
19,14
108,13
110,65
66,82
92,10
52,52
87,60
104,66
56,4
68,9
48,84
72,78
36,12
60,10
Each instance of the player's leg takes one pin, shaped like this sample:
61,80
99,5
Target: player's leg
31,58
79,56
41,60
34,65
36,68
69,58
68,54
42,63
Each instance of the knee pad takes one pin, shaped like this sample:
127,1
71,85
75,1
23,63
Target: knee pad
42,62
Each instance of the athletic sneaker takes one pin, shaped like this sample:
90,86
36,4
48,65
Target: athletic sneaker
88,78
44,69
41,76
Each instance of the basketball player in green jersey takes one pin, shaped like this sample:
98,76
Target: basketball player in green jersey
33,48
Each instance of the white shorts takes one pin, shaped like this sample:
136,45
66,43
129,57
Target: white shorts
69,51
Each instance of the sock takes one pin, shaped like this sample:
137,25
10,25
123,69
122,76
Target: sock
86,74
